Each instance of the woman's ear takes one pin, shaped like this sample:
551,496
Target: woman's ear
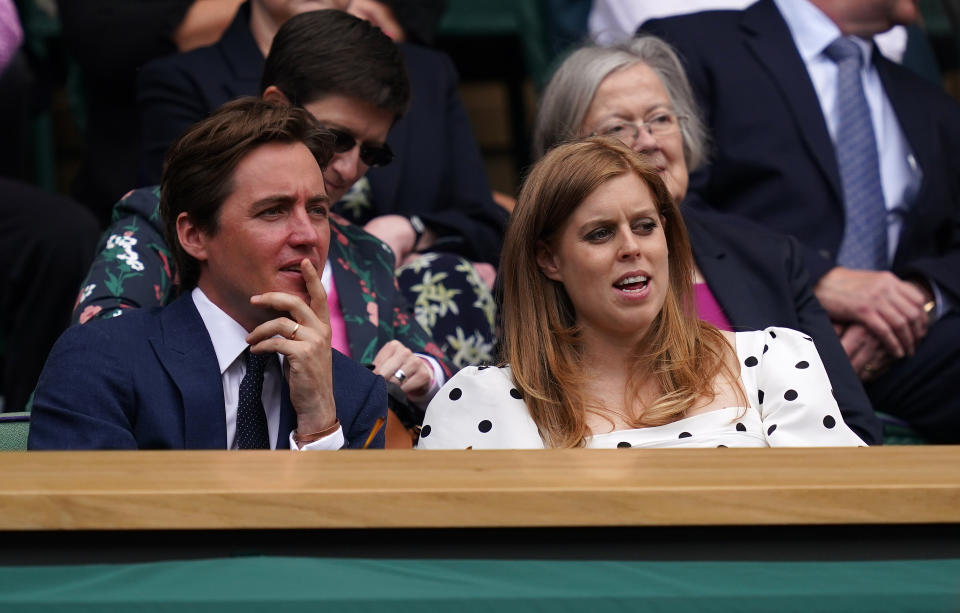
273,94
191,238
547,262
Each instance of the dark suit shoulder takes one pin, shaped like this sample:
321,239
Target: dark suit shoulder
900,80
351,371
192,65
692,24
730,229
133,327
418,57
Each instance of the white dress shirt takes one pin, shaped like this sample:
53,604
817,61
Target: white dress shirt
229,343
900,175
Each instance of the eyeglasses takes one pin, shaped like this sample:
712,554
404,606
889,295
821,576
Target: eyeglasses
627,132
371,155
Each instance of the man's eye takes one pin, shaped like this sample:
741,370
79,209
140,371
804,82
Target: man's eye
318,211
270,212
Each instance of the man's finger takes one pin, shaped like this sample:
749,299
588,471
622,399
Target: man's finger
884,333
900,325
288,303
318,296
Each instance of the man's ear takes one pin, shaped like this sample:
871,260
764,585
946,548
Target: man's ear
547,262
191,238
273,94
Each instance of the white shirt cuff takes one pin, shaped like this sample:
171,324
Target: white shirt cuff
330,442
944,304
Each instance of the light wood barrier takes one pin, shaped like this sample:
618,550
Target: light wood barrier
477,489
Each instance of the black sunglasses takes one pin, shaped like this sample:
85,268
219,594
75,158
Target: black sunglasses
371,155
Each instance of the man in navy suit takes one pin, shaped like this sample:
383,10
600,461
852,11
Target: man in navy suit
769,89
242,359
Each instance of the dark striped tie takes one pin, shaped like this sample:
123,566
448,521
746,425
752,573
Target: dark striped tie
864,243
252,430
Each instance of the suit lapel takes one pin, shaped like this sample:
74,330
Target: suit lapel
768,38
184,349
726,276
362,334
242,55
920,132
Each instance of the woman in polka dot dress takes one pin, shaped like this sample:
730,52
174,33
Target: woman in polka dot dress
601,350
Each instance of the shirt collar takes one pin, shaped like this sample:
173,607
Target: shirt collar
813,31
228,336
326,277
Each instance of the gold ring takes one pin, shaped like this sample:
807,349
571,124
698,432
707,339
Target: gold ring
293,334
869,368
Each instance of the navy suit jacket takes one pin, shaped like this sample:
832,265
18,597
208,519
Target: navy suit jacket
759,280
150,380
438,172
774,162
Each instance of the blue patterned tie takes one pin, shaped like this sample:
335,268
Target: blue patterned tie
252,430
864,243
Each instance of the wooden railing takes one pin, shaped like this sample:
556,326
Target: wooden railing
164,490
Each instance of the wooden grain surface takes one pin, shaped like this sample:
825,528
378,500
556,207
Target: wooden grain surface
420,489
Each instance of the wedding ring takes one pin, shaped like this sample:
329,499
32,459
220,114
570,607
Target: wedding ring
400,375
293,334
869,368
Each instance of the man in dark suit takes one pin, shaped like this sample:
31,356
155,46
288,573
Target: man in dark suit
245,207
771,84
437,177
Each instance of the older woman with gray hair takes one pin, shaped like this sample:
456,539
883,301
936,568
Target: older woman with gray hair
745,277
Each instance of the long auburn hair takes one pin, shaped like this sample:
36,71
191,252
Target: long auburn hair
541,338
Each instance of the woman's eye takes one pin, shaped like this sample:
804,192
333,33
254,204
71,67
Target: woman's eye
599,234
617,129
645,227
661,120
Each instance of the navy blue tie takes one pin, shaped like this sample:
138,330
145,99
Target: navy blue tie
252,430
864,244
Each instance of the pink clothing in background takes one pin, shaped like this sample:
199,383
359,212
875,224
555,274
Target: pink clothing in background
708,309
11,34
338,326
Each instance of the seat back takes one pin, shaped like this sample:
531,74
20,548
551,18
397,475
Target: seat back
14,428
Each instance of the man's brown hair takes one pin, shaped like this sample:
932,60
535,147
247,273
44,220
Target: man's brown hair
198,170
